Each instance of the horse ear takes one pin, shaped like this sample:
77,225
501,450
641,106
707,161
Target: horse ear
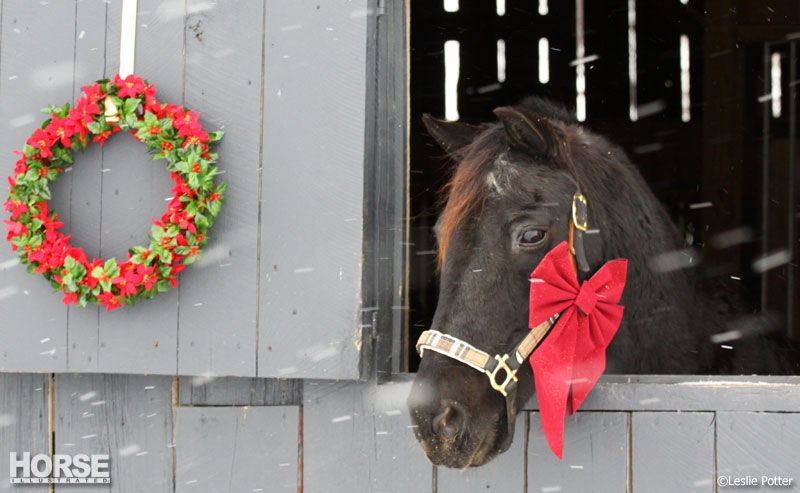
452,136
525,131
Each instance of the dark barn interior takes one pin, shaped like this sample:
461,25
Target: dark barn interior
697,92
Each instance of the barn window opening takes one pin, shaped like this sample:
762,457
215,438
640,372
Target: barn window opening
501,60
580,69
633,108
544,61
686,99
543,8
708,121
775,84
452,66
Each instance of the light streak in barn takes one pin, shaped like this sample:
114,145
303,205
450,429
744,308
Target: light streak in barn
452,67
544,60
686,113
501,60
632,79
775,84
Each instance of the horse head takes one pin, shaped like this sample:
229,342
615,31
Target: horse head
508,203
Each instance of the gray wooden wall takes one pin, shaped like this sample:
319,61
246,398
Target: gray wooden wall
278,290
164,434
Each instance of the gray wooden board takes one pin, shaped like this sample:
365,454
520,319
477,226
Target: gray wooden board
237,449
23,422
314,82
133,189
85,179
32,75
506,472
312,191
128,417
399,464
344,444
239,391
691,393
757,445
595,454
672,451
223,79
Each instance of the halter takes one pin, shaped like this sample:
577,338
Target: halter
463,352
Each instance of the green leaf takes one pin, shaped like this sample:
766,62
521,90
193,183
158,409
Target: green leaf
97,127
131,104
131,119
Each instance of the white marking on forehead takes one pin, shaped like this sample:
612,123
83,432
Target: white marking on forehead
498,179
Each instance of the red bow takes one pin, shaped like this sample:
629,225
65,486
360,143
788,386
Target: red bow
573,356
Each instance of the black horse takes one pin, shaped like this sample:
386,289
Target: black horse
508,203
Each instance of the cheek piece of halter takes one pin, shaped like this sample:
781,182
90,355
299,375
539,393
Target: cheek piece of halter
464,352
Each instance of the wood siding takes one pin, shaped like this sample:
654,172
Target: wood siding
286,82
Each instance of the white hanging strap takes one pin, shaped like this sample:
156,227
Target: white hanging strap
127,41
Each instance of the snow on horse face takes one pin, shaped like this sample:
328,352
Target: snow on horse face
508,203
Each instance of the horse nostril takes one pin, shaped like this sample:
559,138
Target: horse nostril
449,422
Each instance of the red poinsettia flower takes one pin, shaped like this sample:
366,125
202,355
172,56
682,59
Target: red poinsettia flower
196,139
83,115
21,166
93,93
15,229
127,282
149,275
61,130
130,86
16,207
180,187
70,298
175,269
40,140
109,300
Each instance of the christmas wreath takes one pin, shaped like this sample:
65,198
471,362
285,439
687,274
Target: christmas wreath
170,132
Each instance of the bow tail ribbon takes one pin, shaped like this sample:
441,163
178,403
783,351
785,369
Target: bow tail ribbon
571,359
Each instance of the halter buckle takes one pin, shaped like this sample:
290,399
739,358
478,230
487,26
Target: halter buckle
510,375
579,212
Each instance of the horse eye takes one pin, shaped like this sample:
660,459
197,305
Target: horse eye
531,237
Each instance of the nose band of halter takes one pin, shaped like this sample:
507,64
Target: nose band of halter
464,352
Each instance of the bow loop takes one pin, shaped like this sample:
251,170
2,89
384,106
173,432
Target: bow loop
567,364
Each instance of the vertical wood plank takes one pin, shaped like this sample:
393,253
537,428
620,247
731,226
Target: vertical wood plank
237,449
758,445
85,179
34,72
506,472
672,451
128,417
396,448
223,80
338,416
23,421
595,454
134,189
357,436
314,109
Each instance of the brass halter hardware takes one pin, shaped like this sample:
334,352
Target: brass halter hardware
510,375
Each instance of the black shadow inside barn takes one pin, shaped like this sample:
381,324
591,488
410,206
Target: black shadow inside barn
702,104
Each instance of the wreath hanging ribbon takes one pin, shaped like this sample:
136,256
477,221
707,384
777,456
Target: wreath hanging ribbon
176,240
573,356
